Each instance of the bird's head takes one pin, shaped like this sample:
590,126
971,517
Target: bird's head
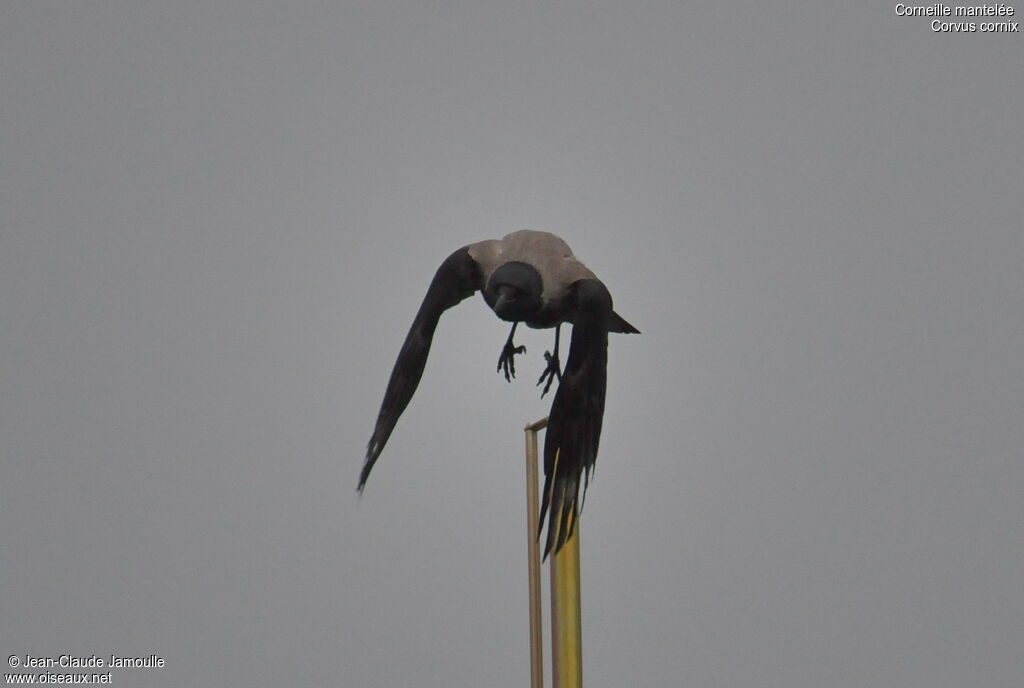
514,291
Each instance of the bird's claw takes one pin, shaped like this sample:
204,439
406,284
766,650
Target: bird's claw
553,370
507,361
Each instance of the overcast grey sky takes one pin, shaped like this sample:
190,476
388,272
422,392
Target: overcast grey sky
218,220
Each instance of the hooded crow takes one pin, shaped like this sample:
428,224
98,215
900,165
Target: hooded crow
530,277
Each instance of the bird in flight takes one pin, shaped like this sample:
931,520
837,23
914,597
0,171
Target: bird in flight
530,277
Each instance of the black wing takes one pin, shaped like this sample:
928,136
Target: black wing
458,277
574,424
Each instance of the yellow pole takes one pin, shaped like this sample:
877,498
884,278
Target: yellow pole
566,621
533,554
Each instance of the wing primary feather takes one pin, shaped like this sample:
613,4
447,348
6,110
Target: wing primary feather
574,424
456,279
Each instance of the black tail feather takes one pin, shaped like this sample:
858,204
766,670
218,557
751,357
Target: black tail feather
616,323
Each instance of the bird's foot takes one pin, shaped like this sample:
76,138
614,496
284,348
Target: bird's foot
507,361
553,370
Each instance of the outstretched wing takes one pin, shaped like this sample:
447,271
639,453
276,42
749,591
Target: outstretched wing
574,424
458,277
